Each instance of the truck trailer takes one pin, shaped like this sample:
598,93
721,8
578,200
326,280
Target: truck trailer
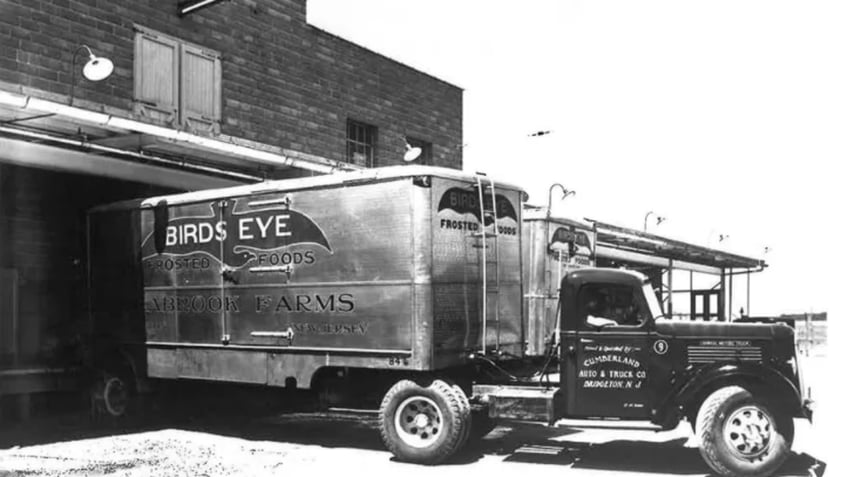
408,283
552,246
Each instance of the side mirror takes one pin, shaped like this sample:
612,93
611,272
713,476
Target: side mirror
160,225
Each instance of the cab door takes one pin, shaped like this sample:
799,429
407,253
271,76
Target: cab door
610,353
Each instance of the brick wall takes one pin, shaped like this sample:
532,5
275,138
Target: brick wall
284,82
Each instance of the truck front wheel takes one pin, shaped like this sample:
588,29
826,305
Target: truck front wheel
424,425
742,435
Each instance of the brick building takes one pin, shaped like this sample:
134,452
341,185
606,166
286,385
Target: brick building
234,92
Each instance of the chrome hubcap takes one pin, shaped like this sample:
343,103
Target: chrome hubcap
749,431
418,421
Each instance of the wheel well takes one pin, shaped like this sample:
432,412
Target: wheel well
774,393
343,386
118,361
370,385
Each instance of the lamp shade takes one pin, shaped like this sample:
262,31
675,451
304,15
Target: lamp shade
411,153
97,68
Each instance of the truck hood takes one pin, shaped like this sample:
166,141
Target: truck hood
683,329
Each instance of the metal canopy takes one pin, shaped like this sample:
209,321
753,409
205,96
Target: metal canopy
617,242
117,136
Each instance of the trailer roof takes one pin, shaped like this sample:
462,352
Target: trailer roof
376,174
540,213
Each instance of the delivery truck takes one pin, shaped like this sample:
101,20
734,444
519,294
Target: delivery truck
408,283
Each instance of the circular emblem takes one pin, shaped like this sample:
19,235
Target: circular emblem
660,347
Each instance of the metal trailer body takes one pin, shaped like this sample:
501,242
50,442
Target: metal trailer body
551,247
384,268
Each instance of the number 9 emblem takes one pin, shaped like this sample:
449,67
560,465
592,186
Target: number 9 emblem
660,347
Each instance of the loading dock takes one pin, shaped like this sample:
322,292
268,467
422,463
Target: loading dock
56,162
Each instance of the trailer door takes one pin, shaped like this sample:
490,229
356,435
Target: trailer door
182,273
259,256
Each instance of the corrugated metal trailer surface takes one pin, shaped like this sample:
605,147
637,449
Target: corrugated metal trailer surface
552,246
381,268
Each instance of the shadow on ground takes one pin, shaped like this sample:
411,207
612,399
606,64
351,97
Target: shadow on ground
520,443
562,446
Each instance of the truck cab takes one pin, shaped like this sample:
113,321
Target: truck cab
738,384
622,358
624,363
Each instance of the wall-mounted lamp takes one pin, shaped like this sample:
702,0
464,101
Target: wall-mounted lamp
659,220
565,193
96,68
412,153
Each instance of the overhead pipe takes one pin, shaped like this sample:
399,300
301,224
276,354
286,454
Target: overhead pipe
88,146
758,269
324,166
42,155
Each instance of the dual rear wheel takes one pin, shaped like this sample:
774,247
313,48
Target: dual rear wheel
425,423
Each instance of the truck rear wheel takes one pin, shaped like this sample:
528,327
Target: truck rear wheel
423,425
465,409
742,435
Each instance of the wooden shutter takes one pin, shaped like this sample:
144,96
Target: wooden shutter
200,88
156,73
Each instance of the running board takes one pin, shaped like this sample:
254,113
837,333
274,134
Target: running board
609,424
543,404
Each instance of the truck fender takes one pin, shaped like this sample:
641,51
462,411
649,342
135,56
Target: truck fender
699,382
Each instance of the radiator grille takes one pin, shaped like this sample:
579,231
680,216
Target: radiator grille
713,354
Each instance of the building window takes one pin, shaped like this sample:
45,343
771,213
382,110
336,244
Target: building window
426,157
177,82
361,144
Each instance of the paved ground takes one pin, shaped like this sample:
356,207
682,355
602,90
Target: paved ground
332,442
350,445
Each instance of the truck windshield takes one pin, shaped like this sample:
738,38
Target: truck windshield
653,304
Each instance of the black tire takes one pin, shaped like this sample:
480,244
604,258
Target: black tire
742,435
466,415
422,425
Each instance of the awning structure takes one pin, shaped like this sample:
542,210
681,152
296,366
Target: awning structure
616,242
659,257
51,134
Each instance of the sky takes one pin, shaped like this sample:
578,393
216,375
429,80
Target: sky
725,117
